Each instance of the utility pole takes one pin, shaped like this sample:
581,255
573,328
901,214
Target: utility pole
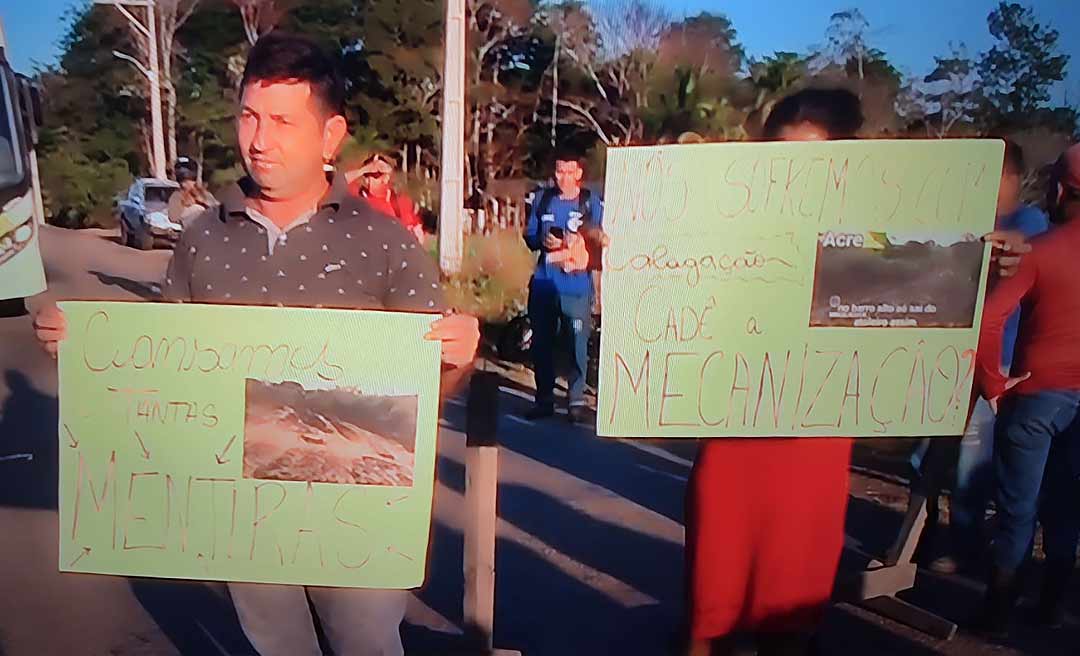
452,201
152,73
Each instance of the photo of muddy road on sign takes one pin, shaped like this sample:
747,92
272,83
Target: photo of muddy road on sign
880,280
328,436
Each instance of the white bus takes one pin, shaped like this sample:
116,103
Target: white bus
21,212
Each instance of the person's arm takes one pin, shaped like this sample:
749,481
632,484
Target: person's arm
596,209
533,238
1032,222
407,210
1000,304
175,209
414,287
176,287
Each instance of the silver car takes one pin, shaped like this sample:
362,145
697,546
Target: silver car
144,215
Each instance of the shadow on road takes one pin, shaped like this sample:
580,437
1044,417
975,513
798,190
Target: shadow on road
28,426
194,618
577,451
149,291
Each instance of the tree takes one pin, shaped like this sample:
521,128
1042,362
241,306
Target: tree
694,87
495,27
626,26
845,41
91,137
395,70
1018,71
777,73
945,99
259,16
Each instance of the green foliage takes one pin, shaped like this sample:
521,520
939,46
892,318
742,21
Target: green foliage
661,80
1018,71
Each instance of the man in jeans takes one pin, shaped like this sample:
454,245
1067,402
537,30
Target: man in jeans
561,293
290,234
1038,425
974,468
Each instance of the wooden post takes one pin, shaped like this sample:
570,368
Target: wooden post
481,488
481,485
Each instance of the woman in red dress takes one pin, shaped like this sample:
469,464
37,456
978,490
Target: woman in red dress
765,516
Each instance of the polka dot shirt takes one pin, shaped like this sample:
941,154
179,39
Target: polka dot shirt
342,255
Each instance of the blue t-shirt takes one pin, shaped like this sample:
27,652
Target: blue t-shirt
1031,222
565,214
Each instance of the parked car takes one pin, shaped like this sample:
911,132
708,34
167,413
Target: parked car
144,216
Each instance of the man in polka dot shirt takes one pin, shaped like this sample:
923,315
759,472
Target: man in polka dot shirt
290,235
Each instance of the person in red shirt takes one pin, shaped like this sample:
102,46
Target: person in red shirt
1037,436
373,182
765,517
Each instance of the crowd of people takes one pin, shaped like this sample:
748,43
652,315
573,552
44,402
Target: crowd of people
765,517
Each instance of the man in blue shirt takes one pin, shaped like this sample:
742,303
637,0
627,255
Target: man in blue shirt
974,473
560,294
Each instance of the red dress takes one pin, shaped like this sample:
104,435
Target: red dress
765,528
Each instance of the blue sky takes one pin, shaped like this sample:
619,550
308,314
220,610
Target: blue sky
911,32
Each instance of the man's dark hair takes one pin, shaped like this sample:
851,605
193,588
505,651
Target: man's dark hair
567,153
1014,159
283,57
837,111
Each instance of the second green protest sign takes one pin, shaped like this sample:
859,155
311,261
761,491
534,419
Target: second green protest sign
247,444
794,289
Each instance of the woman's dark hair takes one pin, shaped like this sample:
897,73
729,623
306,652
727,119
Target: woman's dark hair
381,157
283,57
837,111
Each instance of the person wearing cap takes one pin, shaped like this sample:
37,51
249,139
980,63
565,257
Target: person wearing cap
373,182
1037,432
192,198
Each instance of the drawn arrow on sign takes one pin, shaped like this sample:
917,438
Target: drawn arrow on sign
393,550
391,502
74,443
85,552
221,460
142,445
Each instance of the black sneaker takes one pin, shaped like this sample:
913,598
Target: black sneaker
539,412
578,414
999,605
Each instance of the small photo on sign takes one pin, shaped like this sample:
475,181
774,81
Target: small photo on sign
328,435
895,280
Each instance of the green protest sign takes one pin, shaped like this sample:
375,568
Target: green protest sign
798,289
247,443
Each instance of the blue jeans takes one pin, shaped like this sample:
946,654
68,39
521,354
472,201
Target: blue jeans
1035,464
357,621
973,485
560,323
974,482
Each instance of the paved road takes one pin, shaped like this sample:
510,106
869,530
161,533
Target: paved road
589,557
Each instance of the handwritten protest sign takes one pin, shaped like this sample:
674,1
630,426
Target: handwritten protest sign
21,270
800,289
247,443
